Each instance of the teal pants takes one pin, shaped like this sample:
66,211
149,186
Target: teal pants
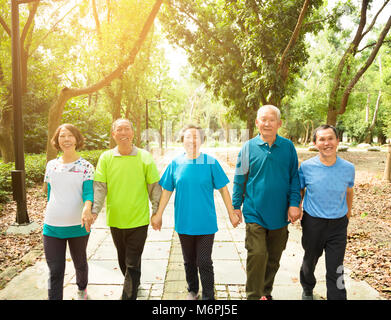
264,250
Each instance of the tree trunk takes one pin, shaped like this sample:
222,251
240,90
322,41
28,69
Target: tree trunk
332,117
55,111
6,137
387,170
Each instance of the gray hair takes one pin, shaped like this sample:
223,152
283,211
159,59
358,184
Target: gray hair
269,107
115,123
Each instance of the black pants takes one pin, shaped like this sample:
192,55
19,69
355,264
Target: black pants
130,245
328,235
197,256
55,251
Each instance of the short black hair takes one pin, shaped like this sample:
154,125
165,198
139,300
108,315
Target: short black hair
324,127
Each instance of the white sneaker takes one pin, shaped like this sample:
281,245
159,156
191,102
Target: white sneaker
192,296
82,294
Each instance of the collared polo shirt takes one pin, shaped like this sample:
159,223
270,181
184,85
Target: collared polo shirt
126,177
266,182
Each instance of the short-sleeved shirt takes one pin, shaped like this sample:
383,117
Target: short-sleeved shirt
69,186
127,177
326,187
194,181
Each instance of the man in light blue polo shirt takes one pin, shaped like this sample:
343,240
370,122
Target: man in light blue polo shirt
327,186
267,184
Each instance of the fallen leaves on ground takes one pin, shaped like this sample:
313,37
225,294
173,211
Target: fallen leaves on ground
14,247
368,251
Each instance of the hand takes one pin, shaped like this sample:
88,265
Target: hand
156,221
87,218
236,217
294,214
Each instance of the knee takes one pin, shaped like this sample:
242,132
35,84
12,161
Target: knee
204,262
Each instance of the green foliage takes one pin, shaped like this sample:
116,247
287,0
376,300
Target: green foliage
93,124
236,47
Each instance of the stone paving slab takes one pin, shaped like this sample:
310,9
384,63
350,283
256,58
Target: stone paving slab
163,274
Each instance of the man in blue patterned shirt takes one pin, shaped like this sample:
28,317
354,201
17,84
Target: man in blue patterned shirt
327,187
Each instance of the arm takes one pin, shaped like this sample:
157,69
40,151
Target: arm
235,216
240,178
100,191
156,218
87,217
349,200
154,193
294,212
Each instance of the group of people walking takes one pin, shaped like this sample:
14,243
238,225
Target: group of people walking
270,191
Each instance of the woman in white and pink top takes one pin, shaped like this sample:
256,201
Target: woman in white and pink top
68,216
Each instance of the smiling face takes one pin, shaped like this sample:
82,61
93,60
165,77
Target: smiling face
192,141
327,143
123,133
268,124
66,140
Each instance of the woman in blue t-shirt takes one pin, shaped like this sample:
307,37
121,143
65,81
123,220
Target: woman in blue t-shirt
194,175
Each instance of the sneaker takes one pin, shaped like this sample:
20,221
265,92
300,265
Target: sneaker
192,296
82,294
307,296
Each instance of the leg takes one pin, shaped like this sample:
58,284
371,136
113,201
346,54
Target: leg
276,244
55,257
257,255
78,249
188,244
313,243
335,252
134,242
118,239
204,248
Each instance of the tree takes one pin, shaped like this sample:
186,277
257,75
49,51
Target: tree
246,52
55,111
345,77
6,110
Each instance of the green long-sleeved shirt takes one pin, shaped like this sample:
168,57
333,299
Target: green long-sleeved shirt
266,182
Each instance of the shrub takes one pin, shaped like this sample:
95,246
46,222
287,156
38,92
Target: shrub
35,165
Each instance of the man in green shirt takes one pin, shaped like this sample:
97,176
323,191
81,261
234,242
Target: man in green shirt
128,177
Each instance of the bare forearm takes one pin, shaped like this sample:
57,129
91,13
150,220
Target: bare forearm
349,200
165,197
226,198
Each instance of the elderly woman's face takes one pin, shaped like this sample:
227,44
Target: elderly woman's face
192,141
66,140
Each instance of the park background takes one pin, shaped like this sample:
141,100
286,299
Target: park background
213,63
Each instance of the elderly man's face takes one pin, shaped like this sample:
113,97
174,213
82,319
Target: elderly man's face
327,143
123,133
268,123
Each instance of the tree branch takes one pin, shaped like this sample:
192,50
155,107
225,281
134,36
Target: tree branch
284,62
345,97
55,111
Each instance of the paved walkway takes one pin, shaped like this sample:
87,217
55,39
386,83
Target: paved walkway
163,274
